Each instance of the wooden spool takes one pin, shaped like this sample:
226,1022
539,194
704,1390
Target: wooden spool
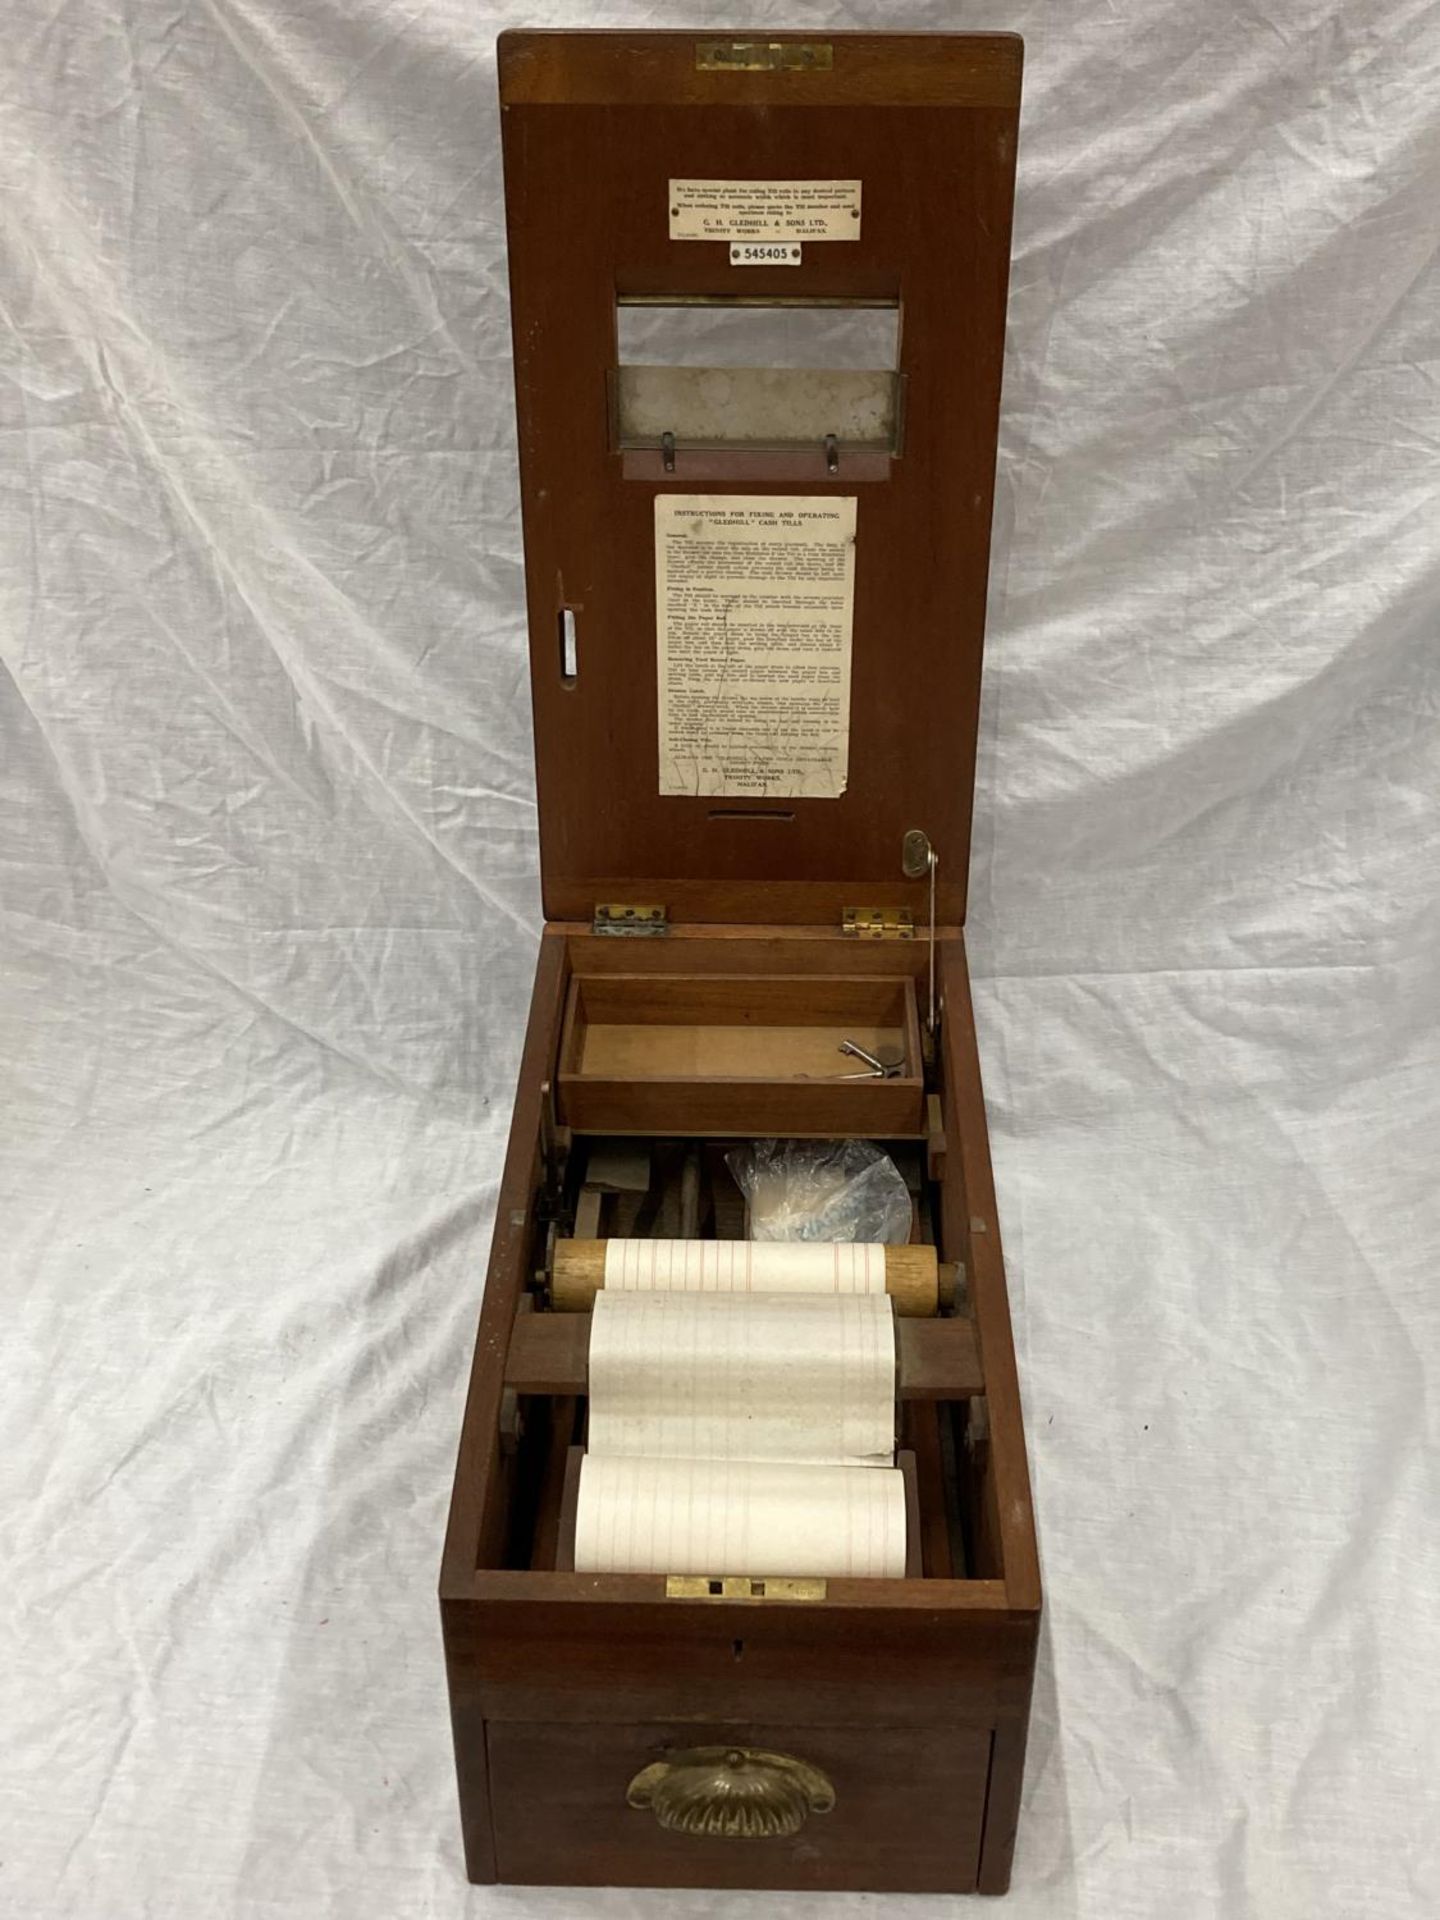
913,1277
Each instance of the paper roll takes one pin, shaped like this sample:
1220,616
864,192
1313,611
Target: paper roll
781,1377
713,1517
582,1267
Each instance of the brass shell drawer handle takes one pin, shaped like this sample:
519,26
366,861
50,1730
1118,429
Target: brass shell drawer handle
732,1793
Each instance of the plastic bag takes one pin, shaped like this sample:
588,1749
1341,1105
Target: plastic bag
822,1190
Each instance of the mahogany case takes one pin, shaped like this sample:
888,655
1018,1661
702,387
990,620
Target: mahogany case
908,1697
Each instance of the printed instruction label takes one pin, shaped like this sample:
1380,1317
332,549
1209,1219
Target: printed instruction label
755,612
764,209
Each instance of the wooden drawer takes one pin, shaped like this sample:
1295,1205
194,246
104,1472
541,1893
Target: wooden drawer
908,1807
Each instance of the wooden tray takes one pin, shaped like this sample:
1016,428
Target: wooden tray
662,1053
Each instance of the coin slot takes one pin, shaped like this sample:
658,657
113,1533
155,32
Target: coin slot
751,813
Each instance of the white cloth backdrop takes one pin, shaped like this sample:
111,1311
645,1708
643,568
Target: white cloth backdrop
269,914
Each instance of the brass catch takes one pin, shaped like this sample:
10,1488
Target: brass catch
875,923
629,922
764,56
736,1586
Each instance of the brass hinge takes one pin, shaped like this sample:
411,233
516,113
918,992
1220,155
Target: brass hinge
874,923
620,918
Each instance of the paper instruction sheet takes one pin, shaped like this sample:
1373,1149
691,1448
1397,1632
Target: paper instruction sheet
755,611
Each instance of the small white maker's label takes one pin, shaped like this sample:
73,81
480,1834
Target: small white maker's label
764,253
764,210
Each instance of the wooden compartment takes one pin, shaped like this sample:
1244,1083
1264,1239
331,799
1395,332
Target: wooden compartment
563,1684
667,1053
911,1695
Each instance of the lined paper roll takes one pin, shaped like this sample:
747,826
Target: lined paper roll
779,1377
909,1274
640,1515
745,1266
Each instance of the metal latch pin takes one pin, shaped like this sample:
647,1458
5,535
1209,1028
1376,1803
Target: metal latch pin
919,861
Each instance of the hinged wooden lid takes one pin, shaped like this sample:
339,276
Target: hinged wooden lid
597,126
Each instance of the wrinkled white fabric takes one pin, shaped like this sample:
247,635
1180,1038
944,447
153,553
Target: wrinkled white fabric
268,907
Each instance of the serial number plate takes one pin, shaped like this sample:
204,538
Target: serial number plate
764,253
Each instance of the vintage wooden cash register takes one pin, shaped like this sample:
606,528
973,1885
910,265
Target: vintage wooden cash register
758,300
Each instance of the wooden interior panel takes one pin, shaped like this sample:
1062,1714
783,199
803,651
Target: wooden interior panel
700,950
743,999
644,1051
920,1432
727,1107
749,1027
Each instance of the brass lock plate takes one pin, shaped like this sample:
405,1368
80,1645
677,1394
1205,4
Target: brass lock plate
738,1586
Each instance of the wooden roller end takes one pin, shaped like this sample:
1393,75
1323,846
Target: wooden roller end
577,1274
912,1279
